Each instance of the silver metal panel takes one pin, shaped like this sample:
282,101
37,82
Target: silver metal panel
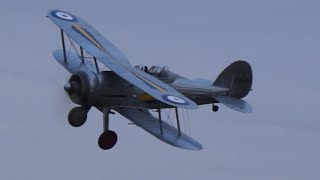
144,119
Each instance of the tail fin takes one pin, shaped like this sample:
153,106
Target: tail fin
237,77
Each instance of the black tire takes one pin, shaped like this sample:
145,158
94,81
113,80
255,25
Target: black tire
215,108
77,116
107,140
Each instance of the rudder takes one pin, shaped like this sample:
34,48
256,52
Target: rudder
237,77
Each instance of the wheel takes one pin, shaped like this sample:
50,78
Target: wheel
215,108
77,116
107,140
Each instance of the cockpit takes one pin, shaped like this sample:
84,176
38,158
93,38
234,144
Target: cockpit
157,71
161,72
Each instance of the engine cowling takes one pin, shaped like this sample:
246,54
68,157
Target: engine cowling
82,88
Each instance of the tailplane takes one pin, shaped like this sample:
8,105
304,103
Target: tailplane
235,104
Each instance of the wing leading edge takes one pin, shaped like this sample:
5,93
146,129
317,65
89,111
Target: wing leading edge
98,46
144,119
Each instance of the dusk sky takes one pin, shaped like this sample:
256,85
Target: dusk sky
197,39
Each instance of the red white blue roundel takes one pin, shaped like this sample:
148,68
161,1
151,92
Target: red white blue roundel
174,99
64,16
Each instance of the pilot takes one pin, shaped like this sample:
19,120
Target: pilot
146,69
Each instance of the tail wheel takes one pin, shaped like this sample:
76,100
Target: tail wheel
77,116
107,140
215,108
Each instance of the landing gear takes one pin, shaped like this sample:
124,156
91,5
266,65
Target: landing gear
108,138
215,108
77,116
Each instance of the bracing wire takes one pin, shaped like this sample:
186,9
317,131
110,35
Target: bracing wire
75,49
168,116
85,55
73,46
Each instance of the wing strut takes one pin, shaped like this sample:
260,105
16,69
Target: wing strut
106,111
160,121
82,57
178,121
95,62
63,47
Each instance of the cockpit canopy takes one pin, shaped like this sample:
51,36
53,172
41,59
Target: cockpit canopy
161,72
158,71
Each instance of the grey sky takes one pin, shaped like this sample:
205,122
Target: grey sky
280,140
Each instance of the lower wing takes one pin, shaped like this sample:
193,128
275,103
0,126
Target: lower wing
144,119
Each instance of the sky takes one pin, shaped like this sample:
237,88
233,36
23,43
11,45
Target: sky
197,39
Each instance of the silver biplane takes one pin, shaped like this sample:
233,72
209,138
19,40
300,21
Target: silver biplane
133,91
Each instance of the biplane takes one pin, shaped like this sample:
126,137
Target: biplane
134,91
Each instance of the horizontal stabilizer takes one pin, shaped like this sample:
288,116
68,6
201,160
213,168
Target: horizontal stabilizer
235,104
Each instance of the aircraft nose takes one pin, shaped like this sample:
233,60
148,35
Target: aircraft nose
67,87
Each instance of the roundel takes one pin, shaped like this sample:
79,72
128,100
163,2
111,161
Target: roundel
63,15
174,99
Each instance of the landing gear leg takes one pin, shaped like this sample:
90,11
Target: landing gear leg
215,108
108,138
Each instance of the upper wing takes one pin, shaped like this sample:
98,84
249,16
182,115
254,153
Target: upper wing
95,44
145,120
